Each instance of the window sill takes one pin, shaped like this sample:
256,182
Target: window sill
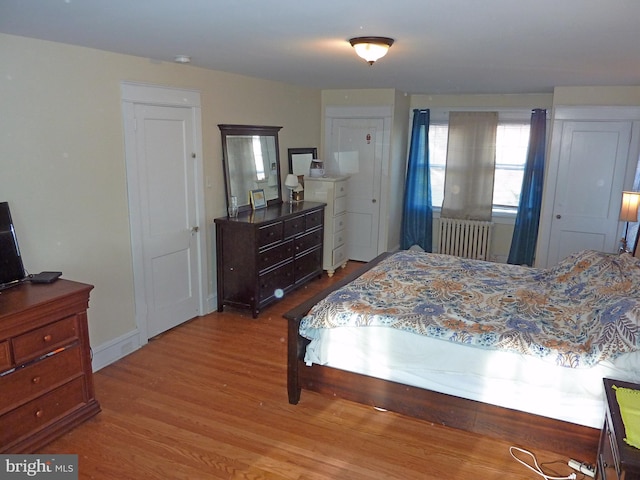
500,216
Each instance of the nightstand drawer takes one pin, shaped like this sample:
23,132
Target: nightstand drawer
340,205
44,340
341,188
339,255
38,413
39,377
339,222
5,356
339,238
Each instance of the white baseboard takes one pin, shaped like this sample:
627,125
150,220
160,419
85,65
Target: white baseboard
115,349
212,303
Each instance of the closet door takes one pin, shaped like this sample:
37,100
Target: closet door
589,166
356,149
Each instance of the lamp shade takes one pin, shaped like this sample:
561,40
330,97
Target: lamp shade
629,209
291,181
371,48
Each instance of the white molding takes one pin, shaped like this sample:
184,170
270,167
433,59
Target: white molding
133,94
159,95
604,113
115,349
384,113
358,112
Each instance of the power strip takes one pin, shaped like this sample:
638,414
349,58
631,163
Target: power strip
583,468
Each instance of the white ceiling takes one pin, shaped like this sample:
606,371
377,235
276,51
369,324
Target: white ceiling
442,46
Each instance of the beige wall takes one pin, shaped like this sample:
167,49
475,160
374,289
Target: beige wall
604,96
62,165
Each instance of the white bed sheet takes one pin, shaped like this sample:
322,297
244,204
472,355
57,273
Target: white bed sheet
500,378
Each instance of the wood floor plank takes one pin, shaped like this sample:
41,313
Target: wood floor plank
208,400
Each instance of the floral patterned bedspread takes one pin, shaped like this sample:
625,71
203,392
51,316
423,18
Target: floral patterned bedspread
582,311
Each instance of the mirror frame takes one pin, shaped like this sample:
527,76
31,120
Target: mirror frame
227,130
293,152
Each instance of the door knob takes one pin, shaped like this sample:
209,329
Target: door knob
373,200
558,216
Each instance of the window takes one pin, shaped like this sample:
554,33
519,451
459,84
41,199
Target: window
257,157
512,141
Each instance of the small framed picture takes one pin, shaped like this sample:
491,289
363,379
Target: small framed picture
257,199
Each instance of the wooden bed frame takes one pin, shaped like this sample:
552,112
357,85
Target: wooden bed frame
523,429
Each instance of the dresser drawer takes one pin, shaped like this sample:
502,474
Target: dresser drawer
340,205
279,278
40,412
308,264
294,226
274,255
341,188
44,340
268,234
339,255
308,240
339,222
39,377
5,356
314,219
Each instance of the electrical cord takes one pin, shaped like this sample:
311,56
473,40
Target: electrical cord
536,468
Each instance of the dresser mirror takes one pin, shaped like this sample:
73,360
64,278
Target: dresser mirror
251,158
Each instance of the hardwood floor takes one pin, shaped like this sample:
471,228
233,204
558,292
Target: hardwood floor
208,400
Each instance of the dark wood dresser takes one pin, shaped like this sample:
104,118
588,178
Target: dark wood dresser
46,380
263,254
616,459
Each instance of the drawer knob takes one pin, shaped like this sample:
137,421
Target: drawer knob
39,413
35,380
47,337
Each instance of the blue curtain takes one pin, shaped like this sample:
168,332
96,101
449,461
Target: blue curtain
525,233
417,213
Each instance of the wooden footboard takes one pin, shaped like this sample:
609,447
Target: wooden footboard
522,429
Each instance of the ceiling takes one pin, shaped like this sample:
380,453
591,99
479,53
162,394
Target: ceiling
442,46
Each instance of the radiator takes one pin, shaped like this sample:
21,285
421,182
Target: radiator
465,238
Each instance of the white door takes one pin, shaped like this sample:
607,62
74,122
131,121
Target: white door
166,173
591,173
355,148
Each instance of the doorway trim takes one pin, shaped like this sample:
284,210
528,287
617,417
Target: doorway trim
380,112
561,115
133,94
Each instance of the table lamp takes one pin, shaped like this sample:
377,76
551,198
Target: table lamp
628,213
291,182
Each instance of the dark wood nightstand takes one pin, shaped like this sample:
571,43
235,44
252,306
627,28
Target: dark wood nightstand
616,459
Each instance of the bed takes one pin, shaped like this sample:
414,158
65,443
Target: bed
508,351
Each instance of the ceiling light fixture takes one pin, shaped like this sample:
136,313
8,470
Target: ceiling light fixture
182,59
371,48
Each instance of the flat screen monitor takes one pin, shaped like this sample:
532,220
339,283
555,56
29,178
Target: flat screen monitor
11,267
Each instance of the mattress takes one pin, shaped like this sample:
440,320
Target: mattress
502,378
